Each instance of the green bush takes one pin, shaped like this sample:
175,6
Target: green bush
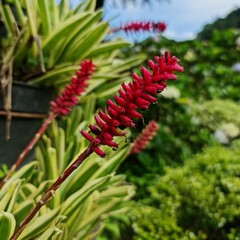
180,135
148,223
207,75
200,200
217,112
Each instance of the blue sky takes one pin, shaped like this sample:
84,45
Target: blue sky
184,18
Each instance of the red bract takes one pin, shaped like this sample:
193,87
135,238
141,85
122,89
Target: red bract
144,138
138,94
68,97
144,26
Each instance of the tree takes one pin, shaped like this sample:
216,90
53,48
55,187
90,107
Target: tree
232,20
100,3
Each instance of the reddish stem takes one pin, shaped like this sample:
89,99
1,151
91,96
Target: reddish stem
50,192
26,150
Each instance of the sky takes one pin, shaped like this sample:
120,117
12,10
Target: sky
184,18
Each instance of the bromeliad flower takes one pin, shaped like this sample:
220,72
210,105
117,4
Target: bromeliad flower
68,97
61,106
148,26
144,138
137,95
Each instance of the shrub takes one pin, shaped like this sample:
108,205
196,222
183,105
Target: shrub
221,117
197,201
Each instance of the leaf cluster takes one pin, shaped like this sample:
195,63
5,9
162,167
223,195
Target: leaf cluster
197,201
90,194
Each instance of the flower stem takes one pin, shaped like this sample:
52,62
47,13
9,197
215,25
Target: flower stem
50,192
28,148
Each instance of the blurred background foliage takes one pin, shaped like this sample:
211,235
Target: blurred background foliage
186,109
188,177
199,200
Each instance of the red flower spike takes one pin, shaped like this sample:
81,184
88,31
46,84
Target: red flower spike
142,102
144,138
120,101
117,132
112,113
104,117
138,79
122,94
77,85
114,106
151,89
127,89
132,106
103,126
87,136
130,98
94,129
148,97
144,27
126,121
146,74
159,26
99,152
134,114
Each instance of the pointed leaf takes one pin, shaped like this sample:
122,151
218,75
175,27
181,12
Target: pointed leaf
72,203
6,199
21,211
7,225
39,225
107,47
50,233
44,13
89,5
63,30
83,48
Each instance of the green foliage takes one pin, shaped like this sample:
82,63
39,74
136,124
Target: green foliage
149,223
180,135
184,131
93,191
117,227
3,170
197,201
217,112
50,40
77,210
7,225
220,115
